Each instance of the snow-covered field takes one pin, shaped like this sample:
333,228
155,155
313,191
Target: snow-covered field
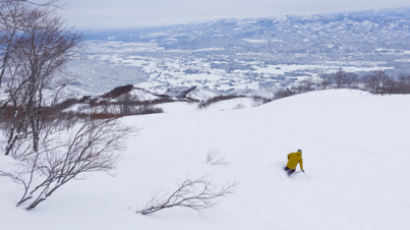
356,156
147,65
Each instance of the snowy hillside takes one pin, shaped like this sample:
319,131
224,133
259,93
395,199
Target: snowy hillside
356,156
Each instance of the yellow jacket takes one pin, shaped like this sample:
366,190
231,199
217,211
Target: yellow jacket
294,159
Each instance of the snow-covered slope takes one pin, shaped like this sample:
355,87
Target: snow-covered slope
356,156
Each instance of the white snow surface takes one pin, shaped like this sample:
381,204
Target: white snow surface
356,156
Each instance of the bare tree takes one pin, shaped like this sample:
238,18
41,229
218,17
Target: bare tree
91,147
281,93
35,46
197,194
50,149
12,22
344,79
403,84
9,24
12,14
351,81
378,82
305,86
126,105
43,50
339,78
326,82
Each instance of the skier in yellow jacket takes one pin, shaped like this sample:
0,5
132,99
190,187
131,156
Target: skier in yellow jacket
293,160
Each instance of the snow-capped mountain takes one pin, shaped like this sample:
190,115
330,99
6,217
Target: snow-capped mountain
335,33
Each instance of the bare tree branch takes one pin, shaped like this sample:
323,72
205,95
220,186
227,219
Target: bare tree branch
197,194
90,147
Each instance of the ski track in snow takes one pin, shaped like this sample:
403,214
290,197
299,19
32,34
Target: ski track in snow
356,155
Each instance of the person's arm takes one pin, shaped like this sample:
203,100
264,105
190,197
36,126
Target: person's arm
301,164
289,155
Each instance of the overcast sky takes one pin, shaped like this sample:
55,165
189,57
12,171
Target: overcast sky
135,13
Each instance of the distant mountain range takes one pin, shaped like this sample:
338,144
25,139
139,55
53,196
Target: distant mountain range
364,31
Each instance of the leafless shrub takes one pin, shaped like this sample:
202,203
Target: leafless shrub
148,110
305,86
219,98
282,93
90,147
198,194
258,100
213,158
340,79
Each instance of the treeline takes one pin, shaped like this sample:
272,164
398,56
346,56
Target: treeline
377,82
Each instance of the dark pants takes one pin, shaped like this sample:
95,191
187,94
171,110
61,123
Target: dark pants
290,171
